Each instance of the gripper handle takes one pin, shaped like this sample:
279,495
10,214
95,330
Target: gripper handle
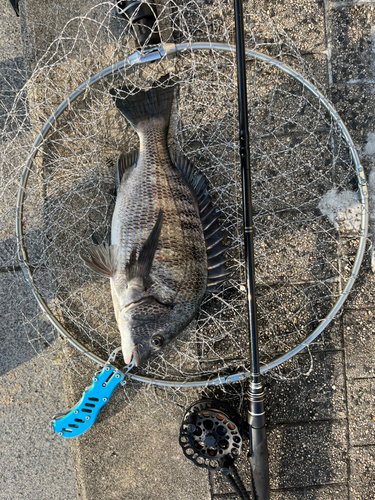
80,418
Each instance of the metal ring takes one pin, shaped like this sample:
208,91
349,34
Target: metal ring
168,50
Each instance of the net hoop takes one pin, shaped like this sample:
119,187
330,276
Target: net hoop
168,50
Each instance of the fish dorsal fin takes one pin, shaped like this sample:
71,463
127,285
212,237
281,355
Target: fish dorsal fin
140,267
102,260
213,235
123,165
196,181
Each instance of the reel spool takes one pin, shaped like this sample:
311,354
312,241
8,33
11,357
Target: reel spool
211,435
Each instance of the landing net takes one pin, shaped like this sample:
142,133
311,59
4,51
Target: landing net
309,195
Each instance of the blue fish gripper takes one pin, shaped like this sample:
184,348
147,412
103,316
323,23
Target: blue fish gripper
81,417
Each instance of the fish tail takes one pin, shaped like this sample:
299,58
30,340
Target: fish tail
139,106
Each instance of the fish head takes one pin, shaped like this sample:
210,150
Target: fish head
145,327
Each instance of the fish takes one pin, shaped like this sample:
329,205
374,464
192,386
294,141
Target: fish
166,247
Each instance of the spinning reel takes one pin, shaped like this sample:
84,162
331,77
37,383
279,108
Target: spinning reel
211,435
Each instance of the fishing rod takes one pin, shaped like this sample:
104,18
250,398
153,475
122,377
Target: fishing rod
258,453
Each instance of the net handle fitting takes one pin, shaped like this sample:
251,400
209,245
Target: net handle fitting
142,19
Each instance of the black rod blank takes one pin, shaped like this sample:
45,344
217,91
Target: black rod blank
258,454
246,189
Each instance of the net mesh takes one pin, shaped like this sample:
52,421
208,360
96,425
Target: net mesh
305,188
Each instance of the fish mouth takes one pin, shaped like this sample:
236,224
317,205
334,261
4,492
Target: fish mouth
131,348
132,354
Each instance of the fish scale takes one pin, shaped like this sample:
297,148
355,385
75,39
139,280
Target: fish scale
156,184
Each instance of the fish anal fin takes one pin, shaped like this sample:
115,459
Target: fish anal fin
140,267
102,259
123,165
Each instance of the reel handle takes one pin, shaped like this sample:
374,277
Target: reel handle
80,418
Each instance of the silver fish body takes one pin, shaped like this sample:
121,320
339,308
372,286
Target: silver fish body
158,262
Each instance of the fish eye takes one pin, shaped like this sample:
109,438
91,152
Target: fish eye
157,341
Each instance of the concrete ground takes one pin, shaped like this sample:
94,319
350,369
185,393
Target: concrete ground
321,428
34,464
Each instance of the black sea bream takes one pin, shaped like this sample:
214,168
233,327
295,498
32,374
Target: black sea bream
166,245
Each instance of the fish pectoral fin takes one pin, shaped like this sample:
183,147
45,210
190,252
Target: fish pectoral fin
123,164
140,267
102,259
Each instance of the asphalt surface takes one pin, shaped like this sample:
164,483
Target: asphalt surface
321,428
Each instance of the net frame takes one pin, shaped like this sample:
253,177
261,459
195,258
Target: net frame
149,56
